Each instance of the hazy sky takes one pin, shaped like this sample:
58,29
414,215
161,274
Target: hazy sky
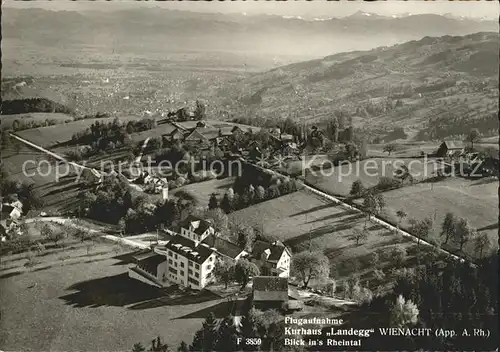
489,9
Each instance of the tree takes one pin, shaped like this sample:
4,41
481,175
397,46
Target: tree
183,347
357,188
224,271
260,194
421,229
246,237
389,148
249,327
448,227
225,204
473,137
138,347
51,235
244,270
309,265
398,254
359,235
219,220
463,232
401,215
205,339
380,201
199,112
403,313
370,205
482,242
213,203
374,259
227,335
158,346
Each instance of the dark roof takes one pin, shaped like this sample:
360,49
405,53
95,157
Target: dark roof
187,248
276,250
195,135
259,247
223,246
270,288
150,262
454,144
204,225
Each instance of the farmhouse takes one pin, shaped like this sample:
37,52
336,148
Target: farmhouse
187,259
269,292
272,259
12,210
449,148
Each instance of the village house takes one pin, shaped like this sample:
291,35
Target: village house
269,292
450,148
186,259
272,259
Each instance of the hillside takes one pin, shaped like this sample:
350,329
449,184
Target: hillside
265,38
422,86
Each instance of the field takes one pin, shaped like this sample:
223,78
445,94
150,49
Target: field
302,219
72,299
56,184
53,135
202,191
477,201
339,179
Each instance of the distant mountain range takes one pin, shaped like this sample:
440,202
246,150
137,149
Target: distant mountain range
454,77
161,30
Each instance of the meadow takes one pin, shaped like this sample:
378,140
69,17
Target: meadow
90,301
339,179
475,200
303,220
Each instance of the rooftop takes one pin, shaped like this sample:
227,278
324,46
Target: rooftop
187,248
223,246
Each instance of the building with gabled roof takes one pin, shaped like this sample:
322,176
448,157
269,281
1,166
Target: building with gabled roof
449,148
269,292
273,259
189,258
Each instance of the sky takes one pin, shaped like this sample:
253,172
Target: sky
317,8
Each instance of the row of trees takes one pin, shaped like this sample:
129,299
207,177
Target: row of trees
250,195
101,135
24,106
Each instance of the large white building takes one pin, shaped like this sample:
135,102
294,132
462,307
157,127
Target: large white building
187,259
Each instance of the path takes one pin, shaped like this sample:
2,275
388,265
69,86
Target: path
144,145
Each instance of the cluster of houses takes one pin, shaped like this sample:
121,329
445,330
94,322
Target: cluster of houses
204,137
457,152
188,259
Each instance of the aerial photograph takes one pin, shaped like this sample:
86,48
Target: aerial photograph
249,176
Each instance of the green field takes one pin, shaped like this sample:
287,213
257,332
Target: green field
56,184
202,191
301,219
477,201
53,135
86,301
339,179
